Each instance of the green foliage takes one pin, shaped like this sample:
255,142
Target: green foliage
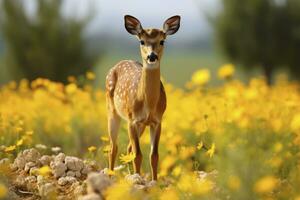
261,33
45,44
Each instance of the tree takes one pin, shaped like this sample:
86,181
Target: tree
46,44
261,33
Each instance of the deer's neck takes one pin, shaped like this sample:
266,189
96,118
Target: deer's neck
149,86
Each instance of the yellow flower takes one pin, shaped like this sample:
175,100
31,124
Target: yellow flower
201,77
234,182
295,124
169,193
92,149
226,71
265,184
212,150
29,133
120,190
104,138
200,145
189,183
127,158
90,75
71,79
3,191
10,148
106,149
20,142
44,171
71,88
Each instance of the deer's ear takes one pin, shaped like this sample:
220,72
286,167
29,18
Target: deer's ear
172,25
132,25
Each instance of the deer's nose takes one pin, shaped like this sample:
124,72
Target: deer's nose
152,57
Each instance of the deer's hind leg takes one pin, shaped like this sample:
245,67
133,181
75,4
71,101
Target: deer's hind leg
113,129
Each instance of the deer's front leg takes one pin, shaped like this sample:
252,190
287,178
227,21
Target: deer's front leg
135,146
155,130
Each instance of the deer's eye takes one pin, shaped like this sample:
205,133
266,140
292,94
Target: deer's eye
162,42
142,42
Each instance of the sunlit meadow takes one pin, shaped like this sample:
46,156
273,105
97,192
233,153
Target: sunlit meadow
247,134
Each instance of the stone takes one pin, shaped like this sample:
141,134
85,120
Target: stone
66,180
31,155
91,196
28,166
47,190
58,169
31,179
45,160
60,158
78,174
74,163
135,179
71,173
98,182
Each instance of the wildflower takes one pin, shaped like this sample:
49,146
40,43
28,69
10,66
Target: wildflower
127,158
41,146
90,75
56,149
44,171
265,184
234,182
212,150
104,138
106,149
20,142
200,145
295,124
226,71
188,183
71,79
120,190
10,148
71,88
3,191
29,133
92,149
201,77
169,193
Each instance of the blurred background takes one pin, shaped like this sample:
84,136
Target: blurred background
56,39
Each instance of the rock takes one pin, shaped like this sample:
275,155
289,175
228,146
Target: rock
31,155
28,166
45,160
97,182
66,180
77,174
31,179
135,179
58,169
152,183
86,169
91,196
60,158
78,189
74,163
40,180
19,162
33,171
71,173
47,190
4,162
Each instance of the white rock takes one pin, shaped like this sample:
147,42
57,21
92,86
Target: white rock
19,162
45,160
97,182
58,169
66,180
91,196
135,179
46,189
70,173
74,163
28,166
4,161
31,155
78,174
86,169
30,179
60,158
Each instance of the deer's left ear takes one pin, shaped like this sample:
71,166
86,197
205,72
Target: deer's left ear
172,25
132,25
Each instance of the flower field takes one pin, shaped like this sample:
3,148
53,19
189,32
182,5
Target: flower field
248,134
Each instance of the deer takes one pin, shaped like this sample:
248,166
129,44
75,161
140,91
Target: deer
135,93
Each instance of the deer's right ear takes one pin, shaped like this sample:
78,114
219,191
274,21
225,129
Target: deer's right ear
132,25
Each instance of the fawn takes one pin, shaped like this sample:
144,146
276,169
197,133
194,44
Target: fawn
135,93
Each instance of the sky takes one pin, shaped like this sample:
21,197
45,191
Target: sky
109,14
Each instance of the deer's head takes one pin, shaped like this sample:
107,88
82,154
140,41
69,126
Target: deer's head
151,39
